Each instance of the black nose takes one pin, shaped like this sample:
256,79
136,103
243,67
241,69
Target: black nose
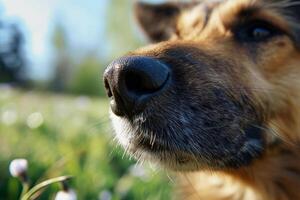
132,81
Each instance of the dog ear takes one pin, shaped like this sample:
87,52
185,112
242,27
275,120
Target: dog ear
158,21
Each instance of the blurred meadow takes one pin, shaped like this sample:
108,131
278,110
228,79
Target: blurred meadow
53,110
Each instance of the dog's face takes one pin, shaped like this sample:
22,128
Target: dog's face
213,85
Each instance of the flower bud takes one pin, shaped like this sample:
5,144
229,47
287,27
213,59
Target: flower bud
18,168
66,195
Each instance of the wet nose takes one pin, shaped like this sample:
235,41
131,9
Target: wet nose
132,81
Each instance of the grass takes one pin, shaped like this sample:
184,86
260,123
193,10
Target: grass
66,135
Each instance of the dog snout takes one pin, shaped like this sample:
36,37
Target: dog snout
132,81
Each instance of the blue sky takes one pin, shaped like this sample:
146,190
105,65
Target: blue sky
85,19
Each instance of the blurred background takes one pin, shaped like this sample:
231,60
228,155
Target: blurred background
53,111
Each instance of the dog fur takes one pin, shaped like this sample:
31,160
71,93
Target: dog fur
224,84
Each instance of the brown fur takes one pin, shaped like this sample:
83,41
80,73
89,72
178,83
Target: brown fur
270,72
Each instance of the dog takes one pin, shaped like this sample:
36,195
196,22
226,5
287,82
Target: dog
215,97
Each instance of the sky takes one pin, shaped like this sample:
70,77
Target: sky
84,19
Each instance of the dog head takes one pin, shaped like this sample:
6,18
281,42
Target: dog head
210,90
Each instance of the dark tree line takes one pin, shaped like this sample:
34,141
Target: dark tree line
12,61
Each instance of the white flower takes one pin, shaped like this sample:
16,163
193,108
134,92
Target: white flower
35,120
66,195
9,117
18,167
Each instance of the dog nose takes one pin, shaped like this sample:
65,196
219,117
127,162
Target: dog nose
132,81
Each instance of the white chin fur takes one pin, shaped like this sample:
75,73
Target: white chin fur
124,136
121,128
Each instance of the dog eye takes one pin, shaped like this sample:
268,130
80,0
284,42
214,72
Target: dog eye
255,32
259,33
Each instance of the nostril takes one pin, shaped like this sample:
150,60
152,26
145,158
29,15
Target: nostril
134,82
140,83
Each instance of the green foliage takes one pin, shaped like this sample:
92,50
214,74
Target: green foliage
37,190
87,78
61,135
63,60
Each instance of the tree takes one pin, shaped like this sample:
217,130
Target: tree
12,60
86,77
62,59
122,32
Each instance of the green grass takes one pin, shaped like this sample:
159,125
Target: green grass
65,135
